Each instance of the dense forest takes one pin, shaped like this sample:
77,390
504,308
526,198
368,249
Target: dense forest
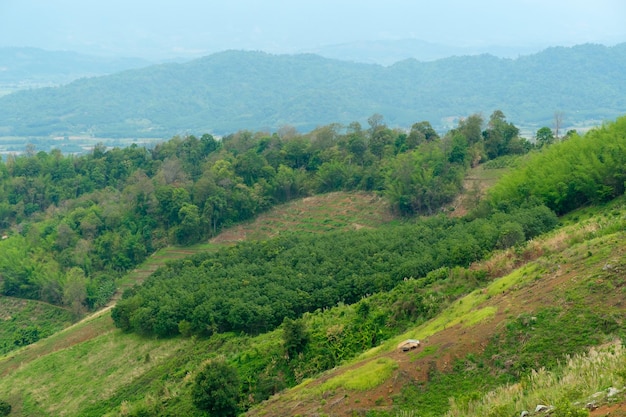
254,287
73,224
216,94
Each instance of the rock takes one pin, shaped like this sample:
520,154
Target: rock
591,406
598,394
612,392
524,414
541,407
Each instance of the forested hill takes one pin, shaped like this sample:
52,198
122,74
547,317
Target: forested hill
234,90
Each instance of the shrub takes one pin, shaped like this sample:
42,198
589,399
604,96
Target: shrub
5,408
216,390
511,233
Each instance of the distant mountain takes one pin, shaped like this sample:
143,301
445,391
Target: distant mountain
236,90
33,66
388,52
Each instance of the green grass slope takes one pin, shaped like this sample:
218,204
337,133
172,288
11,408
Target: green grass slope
25,321
489,327
48,377
521,340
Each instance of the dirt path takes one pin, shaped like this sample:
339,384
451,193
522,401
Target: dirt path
451,343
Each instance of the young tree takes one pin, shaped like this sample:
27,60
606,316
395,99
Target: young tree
420,132
498,135
544,137
75,291
295,336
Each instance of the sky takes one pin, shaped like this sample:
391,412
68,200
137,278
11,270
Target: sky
161,29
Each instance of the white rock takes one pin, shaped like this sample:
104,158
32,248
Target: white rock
598,394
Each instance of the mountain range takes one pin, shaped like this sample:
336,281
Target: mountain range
237,90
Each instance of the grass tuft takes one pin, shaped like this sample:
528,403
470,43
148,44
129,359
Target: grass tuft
368,376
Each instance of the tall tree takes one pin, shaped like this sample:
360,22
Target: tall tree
544,137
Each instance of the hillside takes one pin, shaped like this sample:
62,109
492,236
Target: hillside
301,309
234,90
335,211
529,318
564,272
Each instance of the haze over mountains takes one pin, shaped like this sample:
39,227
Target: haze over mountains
23,68
388,52
235,90
28,67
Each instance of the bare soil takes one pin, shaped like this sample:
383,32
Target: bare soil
452,343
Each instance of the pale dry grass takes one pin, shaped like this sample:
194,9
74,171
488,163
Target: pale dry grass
576,381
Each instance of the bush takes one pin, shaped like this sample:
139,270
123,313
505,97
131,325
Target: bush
216,390
5,408
511,233
565,409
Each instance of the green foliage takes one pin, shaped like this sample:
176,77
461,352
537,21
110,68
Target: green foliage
26,336
26,321
570,174
425,179
294,336
253,286
511,234
565,409
216,389
544,137
5,408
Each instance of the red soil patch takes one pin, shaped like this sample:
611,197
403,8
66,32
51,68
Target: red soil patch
452,343
615,410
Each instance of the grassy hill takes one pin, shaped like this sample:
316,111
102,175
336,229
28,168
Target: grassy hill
563,296
512,305
113,353
545,300
235,90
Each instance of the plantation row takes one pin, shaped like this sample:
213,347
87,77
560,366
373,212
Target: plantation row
252,287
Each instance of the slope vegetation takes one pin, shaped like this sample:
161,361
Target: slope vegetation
117,355
557,295
492,309
562,296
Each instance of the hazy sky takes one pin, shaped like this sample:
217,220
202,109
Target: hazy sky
168,28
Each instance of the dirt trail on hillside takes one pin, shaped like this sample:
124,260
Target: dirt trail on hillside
451,343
